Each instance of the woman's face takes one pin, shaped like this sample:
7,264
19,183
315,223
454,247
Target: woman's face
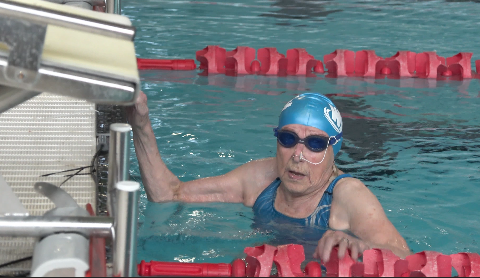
299,168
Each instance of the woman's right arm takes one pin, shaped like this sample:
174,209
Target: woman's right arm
241,185
152,168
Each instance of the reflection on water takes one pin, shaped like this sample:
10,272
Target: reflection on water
287,233
202,231
300,9
474,1
275,85
197,232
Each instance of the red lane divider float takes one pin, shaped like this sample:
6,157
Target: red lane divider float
241,61
401,64
269,58
236,269
245,60
341,62
288,260
163,64
365,63
212,59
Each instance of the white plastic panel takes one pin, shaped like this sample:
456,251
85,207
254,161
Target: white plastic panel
46,134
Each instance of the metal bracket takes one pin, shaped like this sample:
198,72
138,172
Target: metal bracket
25,41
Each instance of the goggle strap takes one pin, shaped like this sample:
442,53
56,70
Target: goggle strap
334,139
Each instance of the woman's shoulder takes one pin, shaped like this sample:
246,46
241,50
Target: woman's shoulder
348,185
257,175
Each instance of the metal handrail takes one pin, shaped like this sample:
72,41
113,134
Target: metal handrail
114,6
125,227
41,226
118,161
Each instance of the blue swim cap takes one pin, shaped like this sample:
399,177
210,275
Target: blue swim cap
315,110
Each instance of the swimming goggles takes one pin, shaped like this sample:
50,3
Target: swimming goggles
315,143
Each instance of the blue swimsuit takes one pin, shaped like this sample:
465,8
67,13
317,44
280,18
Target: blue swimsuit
265,211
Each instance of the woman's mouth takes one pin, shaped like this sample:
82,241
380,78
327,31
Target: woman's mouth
295,175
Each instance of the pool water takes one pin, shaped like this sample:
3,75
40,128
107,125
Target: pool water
415,145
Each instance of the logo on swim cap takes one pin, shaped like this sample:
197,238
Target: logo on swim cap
335,119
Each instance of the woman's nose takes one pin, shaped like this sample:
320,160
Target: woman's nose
298,150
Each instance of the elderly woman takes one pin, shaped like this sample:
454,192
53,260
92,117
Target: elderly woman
300,185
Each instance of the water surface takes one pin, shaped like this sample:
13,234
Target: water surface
413,143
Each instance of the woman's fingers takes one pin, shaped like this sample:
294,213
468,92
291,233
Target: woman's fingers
321,245
354,251
141,104
343,245
137,114
344,242
327,249
329,240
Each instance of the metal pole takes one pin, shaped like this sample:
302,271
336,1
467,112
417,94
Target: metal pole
125,229
118,161
40,226
114,6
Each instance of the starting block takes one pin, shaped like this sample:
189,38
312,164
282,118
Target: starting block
65,50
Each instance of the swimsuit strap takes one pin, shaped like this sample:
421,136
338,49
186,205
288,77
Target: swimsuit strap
334,182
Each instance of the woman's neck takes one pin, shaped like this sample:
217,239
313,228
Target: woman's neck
297,205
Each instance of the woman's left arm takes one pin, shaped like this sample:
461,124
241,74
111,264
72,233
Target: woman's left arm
356,209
